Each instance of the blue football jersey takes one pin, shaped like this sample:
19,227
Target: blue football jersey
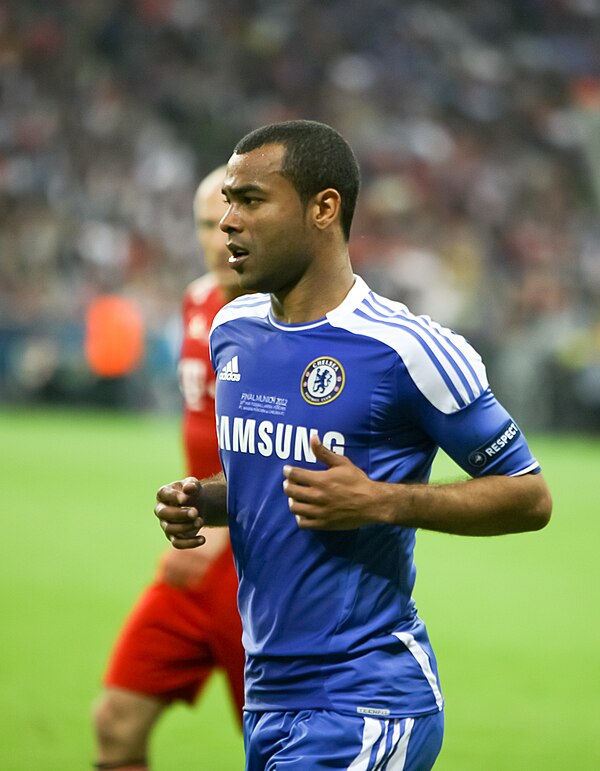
328,617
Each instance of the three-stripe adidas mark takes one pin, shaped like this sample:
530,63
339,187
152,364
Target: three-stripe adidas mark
231,371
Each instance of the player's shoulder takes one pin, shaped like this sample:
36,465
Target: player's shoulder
202,289
373,315
442,363
244,307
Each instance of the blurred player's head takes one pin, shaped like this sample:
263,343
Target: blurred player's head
209,207
316,157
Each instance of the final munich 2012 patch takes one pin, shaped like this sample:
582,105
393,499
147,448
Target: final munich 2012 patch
322,381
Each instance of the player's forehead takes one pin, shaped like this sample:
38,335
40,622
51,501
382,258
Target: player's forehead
260,169
210,208
208,200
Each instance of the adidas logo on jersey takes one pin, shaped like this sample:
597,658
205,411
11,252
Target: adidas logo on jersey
231,371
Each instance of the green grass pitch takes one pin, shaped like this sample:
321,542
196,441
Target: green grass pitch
514,620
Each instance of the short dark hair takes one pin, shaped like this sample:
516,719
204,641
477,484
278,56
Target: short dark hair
316,157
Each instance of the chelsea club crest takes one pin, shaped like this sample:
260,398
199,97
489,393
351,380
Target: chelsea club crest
322,381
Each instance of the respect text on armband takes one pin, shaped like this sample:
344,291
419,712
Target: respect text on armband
487,452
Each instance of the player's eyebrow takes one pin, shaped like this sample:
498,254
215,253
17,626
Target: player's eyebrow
241,190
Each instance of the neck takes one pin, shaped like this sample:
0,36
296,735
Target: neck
315,294
230,293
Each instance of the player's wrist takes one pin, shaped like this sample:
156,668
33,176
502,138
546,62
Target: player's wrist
214,503
399,503
386,507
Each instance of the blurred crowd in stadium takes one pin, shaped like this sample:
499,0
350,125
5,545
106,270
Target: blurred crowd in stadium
477,126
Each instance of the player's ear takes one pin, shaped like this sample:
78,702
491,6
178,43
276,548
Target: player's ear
326,208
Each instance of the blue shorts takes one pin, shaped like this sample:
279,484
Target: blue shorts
311,740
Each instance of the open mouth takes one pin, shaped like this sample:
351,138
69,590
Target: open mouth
238,253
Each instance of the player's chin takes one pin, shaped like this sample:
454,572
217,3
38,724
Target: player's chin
249,282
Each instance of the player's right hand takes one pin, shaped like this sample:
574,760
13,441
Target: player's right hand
178,507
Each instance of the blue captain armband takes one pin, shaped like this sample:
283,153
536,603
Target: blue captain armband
483,455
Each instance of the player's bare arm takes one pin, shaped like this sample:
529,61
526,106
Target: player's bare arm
343,497
187,567
186,506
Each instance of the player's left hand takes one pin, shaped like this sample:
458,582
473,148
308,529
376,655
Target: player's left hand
339,498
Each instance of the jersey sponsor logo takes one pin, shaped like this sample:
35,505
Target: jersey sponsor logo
264,437
231,371
322,381
487,452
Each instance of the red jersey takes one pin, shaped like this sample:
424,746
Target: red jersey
202,300
186,623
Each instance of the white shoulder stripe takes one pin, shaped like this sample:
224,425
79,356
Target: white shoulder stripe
448,350
459,350
251,299
249,306
447,371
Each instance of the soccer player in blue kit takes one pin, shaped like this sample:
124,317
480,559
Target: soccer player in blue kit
331,403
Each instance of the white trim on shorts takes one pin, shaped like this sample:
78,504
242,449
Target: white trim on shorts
392,749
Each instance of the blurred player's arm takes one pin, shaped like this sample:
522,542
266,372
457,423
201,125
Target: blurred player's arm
186,506
186,568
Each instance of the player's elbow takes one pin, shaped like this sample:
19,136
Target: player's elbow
539,510
539,516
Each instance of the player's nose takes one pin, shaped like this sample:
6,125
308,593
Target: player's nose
229,222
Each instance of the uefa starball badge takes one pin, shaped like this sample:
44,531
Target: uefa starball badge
322,381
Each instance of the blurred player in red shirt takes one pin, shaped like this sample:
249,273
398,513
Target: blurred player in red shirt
186,623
